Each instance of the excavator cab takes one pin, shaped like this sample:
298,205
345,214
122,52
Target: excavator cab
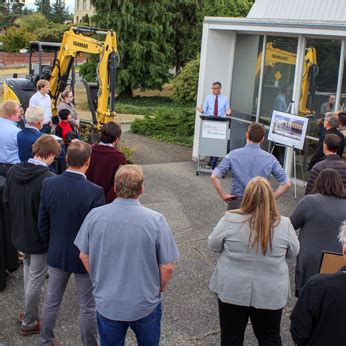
21,89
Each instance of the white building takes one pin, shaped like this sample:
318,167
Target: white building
81,9
235,51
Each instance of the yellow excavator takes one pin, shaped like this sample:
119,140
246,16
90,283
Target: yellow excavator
101,95
310,69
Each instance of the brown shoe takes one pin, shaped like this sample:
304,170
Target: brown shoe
30,331
21,318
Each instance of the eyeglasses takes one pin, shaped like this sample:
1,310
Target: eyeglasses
215,88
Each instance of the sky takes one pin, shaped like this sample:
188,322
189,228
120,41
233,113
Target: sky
30,4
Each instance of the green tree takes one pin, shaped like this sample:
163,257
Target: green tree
187,20
43,6
53,33
16,38
59,12
9,11
143,30
185,85
32,22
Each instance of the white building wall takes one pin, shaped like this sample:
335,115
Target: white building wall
216,64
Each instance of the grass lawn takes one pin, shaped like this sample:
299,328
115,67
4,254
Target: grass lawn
152,113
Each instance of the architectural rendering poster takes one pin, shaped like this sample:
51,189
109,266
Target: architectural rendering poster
288,129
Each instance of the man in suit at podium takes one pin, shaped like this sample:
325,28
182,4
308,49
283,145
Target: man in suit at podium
215,105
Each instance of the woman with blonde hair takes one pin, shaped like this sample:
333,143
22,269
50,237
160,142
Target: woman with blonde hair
251,278
66,102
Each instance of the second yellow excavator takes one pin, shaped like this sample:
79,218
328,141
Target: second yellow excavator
310,69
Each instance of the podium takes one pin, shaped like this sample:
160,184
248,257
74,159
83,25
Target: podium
214,135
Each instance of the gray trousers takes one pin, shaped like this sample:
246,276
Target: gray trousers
35,271
57,283
234,204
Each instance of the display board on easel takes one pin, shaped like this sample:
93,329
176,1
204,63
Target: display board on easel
288,129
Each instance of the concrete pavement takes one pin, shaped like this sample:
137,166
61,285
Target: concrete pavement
192,209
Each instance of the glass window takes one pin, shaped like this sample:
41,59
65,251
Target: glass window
245,84
318,91
278,76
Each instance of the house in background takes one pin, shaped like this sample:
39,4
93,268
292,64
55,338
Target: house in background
82,8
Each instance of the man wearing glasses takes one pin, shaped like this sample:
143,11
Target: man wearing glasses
215,105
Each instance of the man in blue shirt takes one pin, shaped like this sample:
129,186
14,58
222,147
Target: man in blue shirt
10,114
246,163
129,252
215,105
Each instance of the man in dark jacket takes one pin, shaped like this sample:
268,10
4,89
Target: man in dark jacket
65,202
22,194
332,160
331,123
317,317
34,117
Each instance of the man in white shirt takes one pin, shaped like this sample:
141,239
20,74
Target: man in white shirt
9,116
42,99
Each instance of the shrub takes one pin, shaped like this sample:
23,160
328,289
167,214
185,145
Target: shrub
171,125
185,85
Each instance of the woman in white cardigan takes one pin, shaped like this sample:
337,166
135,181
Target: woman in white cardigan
251,278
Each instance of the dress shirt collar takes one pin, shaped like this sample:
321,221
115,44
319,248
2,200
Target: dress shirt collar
37,162
253,145
72,171
126,201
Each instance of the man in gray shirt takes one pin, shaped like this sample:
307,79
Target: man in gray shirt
246,163
129,252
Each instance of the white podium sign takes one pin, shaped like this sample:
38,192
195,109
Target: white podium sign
214,129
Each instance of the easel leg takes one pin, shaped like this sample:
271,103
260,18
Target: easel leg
295,173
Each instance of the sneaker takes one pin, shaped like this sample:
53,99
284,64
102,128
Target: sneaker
208,166
30,330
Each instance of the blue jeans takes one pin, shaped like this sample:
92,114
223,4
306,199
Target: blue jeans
147,329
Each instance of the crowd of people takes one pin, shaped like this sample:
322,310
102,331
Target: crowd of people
88,221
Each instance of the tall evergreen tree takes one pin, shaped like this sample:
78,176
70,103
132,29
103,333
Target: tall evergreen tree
143,30
9,11
59,12
43,6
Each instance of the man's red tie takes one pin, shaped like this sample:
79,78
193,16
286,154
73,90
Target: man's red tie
216,107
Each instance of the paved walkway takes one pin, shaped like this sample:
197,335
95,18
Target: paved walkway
192,209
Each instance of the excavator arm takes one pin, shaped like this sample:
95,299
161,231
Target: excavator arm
78,40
